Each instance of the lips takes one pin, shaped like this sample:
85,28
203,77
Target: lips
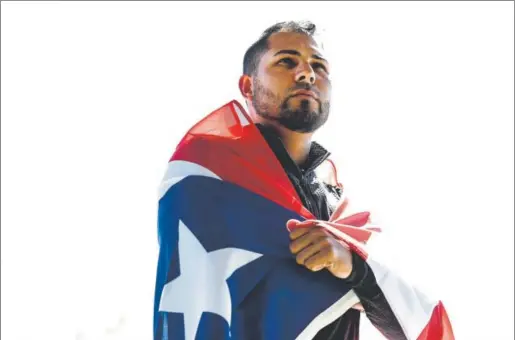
304,93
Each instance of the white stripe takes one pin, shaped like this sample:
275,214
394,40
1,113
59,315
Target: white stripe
243,120
178,170
412,308
329,315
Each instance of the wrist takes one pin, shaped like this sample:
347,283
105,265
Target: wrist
359,271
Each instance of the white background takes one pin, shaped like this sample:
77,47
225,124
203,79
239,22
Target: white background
95,97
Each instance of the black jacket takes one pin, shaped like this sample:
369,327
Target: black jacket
316,197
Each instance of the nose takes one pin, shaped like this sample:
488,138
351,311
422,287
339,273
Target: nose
305,74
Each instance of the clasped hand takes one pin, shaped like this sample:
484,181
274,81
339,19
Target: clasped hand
316,249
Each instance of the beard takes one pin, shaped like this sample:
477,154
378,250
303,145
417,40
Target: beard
304,118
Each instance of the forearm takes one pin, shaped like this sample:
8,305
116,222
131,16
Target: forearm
372,299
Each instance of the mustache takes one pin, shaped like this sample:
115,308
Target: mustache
305,86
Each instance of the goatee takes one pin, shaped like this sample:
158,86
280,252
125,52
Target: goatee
305,118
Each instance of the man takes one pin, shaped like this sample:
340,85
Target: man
231,202
287,88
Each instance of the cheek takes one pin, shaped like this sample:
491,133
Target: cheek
278,85
281,81
324,87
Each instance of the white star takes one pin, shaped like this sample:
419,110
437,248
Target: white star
201,286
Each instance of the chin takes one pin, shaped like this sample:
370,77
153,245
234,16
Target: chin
302,102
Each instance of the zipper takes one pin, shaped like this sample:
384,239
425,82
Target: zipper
309,196
301,190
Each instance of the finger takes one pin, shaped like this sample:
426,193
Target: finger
359,307
298,232
306,239
312,249
300,228
320,260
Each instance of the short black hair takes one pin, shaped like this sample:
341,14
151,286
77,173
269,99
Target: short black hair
257,49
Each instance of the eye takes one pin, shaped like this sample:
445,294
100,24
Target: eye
289,62
317,66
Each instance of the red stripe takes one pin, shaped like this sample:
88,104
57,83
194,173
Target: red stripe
240,155
439,326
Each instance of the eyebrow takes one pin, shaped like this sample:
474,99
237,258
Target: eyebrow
295,52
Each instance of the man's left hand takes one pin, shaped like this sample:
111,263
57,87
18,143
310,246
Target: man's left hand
316,249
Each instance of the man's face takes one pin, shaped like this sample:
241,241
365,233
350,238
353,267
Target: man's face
291,85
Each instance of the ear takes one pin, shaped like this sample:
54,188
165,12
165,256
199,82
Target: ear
245,85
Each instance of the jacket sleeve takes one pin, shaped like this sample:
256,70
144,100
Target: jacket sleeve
374,302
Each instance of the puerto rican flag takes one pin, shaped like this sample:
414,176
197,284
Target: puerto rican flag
225,270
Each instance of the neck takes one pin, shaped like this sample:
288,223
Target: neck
297,144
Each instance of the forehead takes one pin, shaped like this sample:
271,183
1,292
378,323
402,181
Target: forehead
293,41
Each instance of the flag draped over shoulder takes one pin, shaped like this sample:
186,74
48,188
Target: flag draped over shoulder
225,270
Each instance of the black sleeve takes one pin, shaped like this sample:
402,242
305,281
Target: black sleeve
376,307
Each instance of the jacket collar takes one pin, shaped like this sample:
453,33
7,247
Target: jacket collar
317,153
